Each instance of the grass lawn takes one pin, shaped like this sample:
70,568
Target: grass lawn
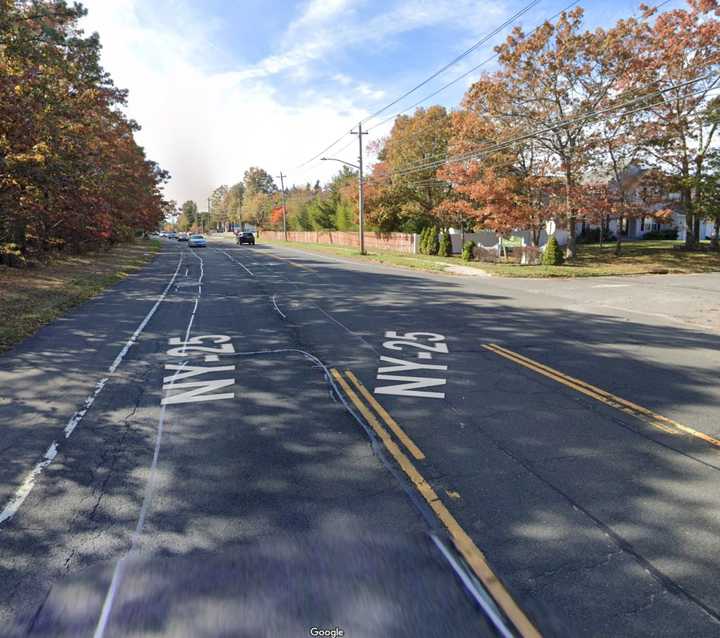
31,297
637,258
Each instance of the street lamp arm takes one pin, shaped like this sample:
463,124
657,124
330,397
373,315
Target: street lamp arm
334,159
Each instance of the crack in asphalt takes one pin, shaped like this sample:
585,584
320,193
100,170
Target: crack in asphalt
658,575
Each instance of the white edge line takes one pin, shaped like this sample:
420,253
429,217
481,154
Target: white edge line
28,484
141,327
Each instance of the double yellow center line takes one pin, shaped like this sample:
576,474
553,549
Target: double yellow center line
628,407
464,544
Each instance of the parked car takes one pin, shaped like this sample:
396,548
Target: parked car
246,238
171,235
197,241
183,237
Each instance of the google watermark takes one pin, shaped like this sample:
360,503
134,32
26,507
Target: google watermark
336,632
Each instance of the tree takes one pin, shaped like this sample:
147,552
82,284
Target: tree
407,202
71,173
445,246
218,212
257,180
188,215
257,208
557,73
682,59
234,201
552,255
708,204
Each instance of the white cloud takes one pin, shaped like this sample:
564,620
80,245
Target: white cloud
207,127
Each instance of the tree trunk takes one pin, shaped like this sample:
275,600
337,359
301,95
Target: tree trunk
715,242
570,249
690,236
618,243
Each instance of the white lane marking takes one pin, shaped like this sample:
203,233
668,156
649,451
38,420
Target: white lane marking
28,483
144,322
150,486
280,312
197,297
77,417
239,263
149,491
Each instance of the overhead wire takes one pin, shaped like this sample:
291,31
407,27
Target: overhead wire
467,52
588,116
414,133
455,60
467,73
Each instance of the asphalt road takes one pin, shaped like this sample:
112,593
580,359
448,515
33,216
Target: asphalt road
175,460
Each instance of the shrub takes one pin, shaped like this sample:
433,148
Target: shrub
553,253
433,242
445,244
468,250
592,236
668,233
424,235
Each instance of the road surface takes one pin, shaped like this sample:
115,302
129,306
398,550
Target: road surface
259,441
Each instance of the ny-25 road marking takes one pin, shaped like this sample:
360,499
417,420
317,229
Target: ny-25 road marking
199,389
411,386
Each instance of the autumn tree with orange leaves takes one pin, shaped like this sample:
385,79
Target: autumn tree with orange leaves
71,173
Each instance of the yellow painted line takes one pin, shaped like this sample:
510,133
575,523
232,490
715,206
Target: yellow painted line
653,418
463,542
391,423
292,263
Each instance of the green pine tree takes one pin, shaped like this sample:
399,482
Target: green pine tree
553,253
467,253
445,246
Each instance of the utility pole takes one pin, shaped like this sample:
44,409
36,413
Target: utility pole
361,189
282,190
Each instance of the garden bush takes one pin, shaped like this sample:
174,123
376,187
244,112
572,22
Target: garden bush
552,256
468,250
445,244
668,233
433,244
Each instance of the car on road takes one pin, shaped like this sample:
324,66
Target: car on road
246,238
171,235
183,237
197,241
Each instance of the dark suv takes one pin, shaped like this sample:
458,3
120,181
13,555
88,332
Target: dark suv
246,238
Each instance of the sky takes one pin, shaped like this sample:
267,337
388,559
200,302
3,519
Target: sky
221,85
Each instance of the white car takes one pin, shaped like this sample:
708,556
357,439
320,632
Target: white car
197,241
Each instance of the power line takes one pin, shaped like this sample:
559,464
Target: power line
469,72
559,124
457,59
433,76
411,134
325,150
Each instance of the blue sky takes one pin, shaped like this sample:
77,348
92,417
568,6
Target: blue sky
219,86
